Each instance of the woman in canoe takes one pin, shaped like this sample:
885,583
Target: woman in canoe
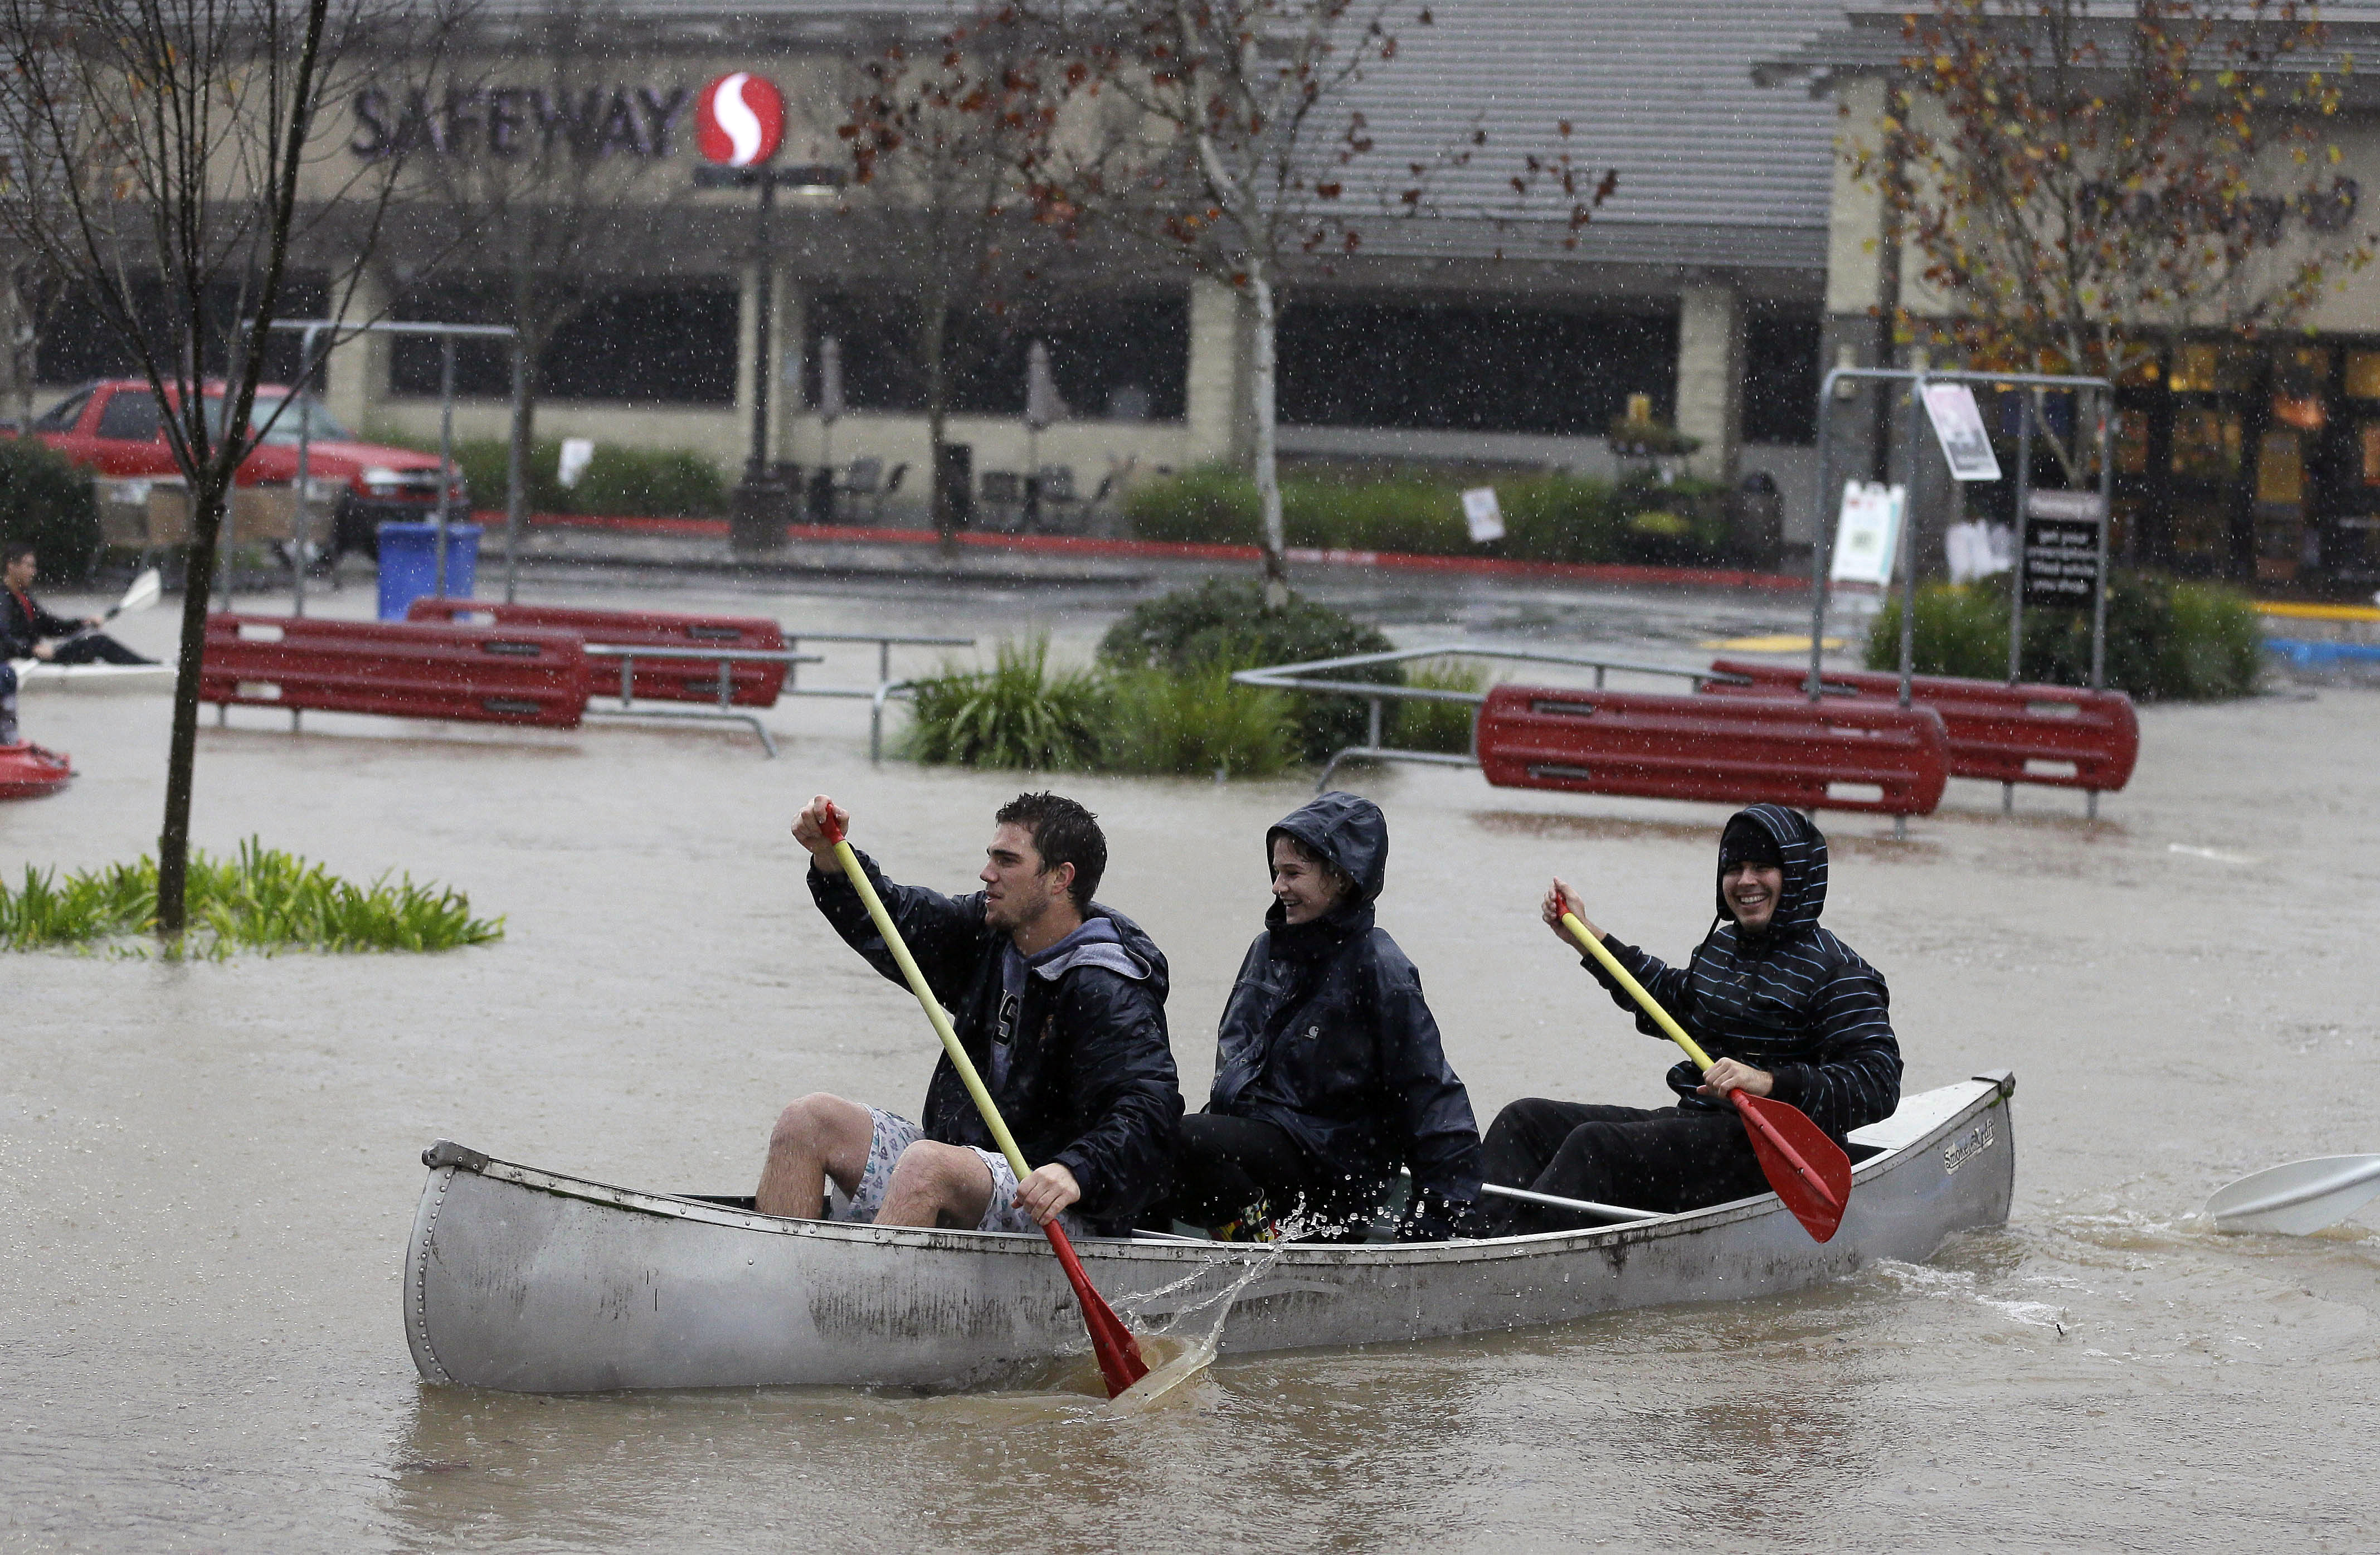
1329,1072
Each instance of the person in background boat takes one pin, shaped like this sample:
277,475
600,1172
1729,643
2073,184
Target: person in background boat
1783,1007
26,628
1060,1001
1329,1072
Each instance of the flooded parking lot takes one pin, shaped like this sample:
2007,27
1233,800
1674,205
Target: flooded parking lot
209,1170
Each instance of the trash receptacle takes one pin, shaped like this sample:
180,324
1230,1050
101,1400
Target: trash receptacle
408,563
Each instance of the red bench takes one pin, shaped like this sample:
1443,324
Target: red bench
1729,749
2054,735
660,680
400,669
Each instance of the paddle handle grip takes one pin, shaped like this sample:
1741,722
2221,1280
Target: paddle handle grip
1645,1000
917,979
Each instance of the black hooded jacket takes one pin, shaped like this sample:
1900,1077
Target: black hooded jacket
1091,1083
24,622
1791,999
1327,1035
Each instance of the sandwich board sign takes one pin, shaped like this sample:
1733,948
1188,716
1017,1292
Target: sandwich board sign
1958,428
2063,534
1868,533
1483,514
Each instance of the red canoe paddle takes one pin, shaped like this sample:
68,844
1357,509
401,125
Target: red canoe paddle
1118,1351
1809,1170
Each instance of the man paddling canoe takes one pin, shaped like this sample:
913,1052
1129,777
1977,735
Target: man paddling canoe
1061,1004
1785,1008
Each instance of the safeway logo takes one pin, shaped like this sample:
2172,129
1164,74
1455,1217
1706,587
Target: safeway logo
739,120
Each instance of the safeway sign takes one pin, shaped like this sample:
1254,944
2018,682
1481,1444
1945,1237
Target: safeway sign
739,120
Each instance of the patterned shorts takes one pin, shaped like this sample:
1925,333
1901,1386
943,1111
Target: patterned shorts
888,1135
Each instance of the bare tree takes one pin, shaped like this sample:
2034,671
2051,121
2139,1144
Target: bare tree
169,149
1226,132
543,177
2082,182
947,131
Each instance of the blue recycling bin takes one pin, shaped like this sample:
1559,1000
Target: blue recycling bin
408,563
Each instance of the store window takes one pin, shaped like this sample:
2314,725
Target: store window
1491,370
671,345
1780,375
1118,359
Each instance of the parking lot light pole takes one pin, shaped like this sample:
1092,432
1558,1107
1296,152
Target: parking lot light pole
761,501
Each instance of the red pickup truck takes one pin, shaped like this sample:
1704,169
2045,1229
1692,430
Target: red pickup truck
111,428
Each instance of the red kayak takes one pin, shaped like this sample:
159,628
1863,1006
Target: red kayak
28,771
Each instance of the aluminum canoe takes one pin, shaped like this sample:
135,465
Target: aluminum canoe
536,1281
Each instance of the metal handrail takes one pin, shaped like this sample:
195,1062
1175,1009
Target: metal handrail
727,658
885,687
1292,677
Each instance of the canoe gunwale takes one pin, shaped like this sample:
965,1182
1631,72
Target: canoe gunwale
445,1156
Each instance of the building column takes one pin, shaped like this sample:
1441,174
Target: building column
747,356
1217,402
1710,377
353,382
786,356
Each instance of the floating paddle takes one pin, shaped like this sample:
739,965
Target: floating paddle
1809,1170
1118,1352
2300,1196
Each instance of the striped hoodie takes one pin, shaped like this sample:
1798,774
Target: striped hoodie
1792,999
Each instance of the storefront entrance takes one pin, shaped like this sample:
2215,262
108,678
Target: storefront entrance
2255,463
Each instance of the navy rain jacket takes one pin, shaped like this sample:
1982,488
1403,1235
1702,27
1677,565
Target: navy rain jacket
1327,1035
1090,1084
1791,999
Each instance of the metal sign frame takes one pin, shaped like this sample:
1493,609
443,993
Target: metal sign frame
516,471
1822,548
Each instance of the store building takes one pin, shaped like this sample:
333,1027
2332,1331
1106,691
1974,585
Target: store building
2253,461
1457,337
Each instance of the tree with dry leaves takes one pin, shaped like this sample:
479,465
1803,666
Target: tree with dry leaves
174,148
1225,133
2082,183
942,132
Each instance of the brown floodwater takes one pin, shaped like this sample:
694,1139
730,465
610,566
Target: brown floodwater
208,1171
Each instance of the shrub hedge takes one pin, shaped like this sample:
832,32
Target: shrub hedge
2167,638
1224,623
47,501
618,482
1546,517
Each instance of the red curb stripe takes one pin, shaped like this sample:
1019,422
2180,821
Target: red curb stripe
1086,546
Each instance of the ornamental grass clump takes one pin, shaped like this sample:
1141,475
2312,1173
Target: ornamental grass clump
1017,713
1434,725
1193,724
264,899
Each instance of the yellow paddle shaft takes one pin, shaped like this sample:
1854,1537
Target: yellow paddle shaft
908,964
1637,991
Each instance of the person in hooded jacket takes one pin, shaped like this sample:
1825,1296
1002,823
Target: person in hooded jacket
1058,1000
1329,1075
1784,1009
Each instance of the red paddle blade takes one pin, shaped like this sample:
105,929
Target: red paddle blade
1809,1170
1118,1351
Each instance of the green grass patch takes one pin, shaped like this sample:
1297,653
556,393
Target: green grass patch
1195,722
2168,639
1431,726
263,899
1017,713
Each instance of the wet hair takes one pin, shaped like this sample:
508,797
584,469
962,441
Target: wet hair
14,550
1340,882
1064,833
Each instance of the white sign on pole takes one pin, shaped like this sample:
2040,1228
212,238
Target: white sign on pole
1958,428
1868,532
1481,511
576,454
